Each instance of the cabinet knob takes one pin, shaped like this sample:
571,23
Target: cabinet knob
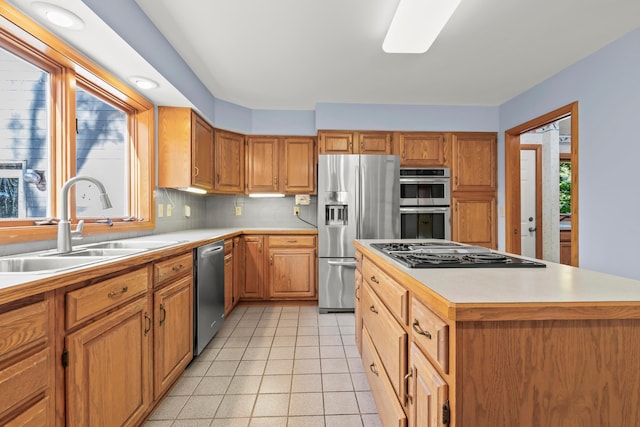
197,171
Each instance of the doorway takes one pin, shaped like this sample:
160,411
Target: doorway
531,200
548,171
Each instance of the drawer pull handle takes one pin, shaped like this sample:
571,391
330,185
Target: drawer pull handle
147,321
292,241
357,294
177,268
419,330
374,280
163,314
373,309
407,397
114,294
373,369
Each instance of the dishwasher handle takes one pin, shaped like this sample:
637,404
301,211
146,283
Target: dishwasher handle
212,251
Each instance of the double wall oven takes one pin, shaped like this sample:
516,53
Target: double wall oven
425,203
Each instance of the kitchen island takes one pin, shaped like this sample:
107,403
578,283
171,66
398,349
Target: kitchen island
554,346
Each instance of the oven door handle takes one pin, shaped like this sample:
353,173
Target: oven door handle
425,180
424,210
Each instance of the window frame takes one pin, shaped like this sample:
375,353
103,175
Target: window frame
68,68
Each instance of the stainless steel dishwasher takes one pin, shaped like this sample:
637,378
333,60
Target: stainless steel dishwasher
208,298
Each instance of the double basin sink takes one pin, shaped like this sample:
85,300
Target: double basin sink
53,261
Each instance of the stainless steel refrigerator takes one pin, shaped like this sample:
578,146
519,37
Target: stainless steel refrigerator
358,198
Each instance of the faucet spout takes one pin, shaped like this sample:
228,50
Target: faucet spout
64,226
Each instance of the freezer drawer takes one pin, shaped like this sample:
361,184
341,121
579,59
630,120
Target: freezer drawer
336,277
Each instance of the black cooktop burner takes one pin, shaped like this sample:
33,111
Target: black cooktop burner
449,255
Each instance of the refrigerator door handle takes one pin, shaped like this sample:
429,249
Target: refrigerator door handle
349,264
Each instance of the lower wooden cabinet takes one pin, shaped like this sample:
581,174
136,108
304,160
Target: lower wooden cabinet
292,267
228,283
109,374
173,332
27,384
253,262
357,311
565,247
427,398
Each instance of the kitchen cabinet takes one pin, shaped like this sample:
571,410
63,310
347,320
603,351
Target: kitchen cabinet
229,162
427,398
253,262
238,269
228,276
474,189
422,149
172,319
474,218
277,164
292,267
27,381
354,142
108,348
474,166
185,149
357,300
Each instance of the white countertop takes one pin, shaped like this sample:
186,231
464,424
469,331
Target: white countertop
556,283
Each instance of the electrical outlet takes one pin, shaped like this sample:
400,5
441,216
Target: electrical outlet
168,210
187,211
296,210
160,210
238,210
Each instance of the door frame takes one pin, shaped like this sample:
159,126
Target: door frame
512,177
538,149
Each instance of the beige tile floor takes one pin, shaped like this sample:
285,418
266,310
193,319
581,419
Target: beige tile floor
274,366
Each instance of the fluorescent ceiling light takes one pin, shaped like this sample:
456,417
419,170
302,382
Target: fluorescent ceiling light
58,16
416,24
143,82
264,195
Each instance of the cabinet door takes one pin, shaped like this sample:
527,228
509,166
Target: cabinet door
373,143
109,374
253,267
297,165
421,149
292,273
331,142
474,166
262,164
173,339
228,283
358,308
202,152
428,393
473,219
229,162
238,269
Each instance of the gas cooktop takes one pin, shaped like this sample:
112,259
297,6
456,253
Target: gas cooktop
449,255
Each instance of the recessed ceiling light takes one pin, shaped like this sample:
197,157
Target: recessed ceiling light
58,16
143,82
416,24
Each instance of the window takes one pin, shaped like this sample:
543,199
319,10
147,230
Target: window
62,116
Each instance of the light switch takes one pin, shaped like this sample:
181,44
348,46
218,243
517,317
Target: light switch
187,211
160,210
168,210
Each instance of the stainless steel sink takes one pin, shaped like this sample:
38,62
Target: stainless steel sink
134,244
41,265
93,252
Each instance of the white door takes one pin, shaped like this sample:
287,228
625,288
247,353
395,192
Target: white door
528,202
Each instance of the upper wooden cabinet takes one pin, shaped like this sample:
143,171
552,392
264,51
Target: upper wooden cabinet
421,149
277,164
356,142
185,149
474,165
229,162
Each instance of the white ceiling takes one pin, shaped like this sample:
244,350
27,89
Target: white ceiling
292,54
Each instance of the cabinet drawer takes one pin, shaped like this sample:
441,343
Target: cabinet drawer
292,241
359,261
169,269
35,416
389,409
92,300
431,333
394,296
228,246
22,328
23,380
388,337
